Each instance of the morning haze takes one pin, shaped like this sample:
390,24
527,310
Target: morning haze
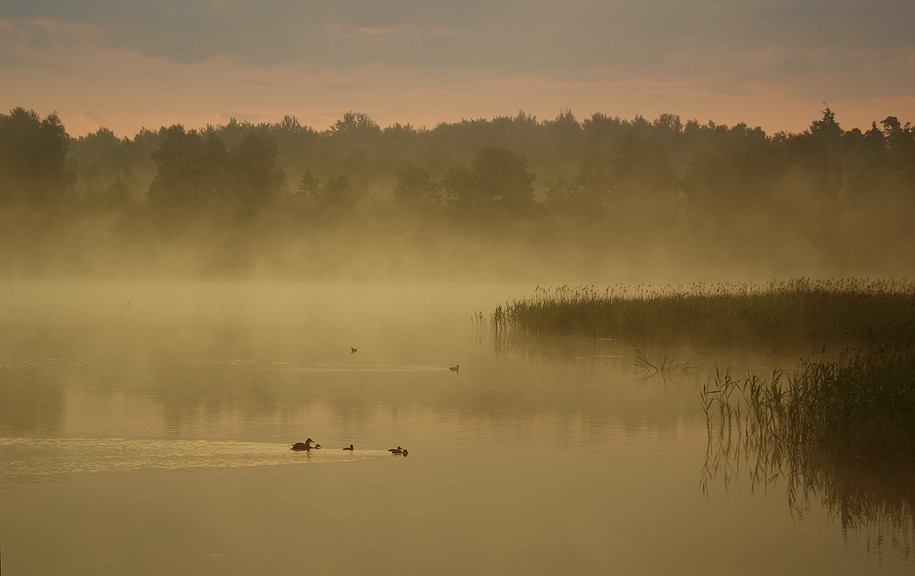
182,306
129,65
631,295
602,199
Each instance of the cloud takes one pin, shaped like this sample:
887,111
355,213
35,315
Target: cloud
510,34
26,43
457,58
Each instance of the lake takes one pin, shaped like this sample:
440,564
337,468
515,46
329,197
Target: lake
145,428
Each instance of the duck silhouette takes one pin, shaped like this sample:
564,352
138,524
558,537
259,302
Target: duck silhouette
397,450
455,368
350,448
304,446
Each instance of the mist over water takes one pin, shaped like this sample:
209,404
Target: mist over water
180,307
145,427
511,199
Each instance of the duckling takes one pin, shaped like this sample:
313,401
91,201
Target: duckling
352,350
306,446
397,450
350,447
404,452
455,368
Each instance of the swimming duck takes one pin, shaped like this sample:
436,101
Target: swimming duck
306,446
397,450
352,350
455,368
350,447
404,452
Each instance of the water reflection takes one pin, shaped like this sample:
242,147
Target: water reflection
869,495
31,400
28,458
172,419
195,396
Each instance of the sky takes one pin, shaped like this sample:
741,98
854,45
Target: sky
127,65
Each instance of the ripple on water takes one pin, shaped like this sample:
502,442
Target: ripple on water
54,456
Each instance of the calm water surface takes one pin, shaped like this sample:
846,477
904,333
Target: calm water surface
145,429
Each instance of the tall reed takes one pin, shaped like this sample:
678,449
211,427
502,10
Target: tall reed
842,429
808,311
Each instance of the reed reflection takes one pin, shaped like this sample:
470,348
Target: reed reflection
838,431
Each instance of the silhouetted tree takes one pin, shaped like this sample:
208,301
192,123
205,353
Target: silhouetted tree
591,190
643,169
570,196
104,168
191,170
337,196
309,185
556,147
340,193
602,172
900,142
891,127
498,182
669,123
564,128
254,179
808,163
415,191
33,155
826,128
355,124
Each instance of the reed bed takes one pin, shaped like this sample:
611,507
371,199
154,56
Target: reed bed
807,311
842,429
859,406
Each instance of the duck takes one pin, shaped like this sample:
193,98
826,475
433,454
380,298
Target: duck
404,452
352,350
350,448
455,368
397,450
306,446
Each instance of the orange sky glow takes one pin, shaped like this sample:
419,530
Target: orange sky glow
112,70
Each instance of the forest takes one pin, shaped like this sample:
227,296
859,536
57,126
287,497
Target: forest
511,198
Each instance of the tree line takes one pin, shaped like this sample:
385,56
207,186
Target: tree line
506,166
601,184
